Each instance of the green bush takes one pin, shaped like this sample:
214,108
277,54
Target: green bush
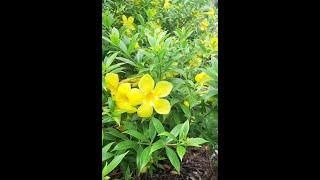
160,82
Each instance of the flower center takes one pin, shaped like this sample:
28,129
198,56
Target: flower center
150,97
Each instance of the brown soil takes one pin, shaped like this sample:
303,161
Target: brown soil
196,165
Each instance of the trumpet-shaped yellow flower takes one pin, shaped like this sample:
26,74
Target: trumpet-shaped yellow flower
211,12
204,25
214,44
202,78
128,22
126,98
195,62
166,4
136,45
112,82
153,96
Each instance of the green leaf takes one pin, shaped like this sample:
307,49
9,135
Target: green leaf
152,41
116,133
157,145
195,142
181,151
144,158
126,61
128,174
107,147
169,135
184,130
138,157
186,111
123,145
175,131
114,37
152,131
106,156
158,125
173,159
113,164
114,67
140,18
123,47
135,134
108,60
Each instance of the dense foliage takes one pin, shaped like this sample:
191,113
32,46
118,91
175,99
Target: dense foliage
160,82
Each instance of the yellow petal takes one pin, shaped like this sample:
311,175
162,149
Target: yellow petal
112,81
124,88
162,106
162,89
135,97
126,107
202,77
130,19
124,19
145,110
146,83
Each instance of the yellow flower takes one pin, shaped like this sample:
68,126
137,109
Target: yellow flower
195,13
186,103
126,98
166,4
195,62
112,82
128,22
214,44
202,77
204,25
211,12
153,96
136,46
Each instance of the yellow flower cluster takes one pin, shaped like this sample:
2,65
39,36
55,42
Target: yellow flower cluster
166,4
195,62
214,44
211,43
204,25
128,23
148,96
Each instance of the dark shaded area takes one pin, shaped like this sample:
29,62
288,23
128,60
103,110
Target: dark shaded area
196,165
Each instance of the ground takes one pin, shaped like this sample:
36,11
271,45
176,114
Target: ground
196,165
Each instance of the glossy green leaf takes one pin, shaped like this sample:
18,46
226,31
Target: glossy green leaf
173,159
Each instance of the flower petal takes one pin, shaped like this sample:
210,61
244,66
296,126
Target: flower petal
202,78
135,97
124,88
126,106
124,19
162,106
112,81
146,83
145,110
130,20
162,89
